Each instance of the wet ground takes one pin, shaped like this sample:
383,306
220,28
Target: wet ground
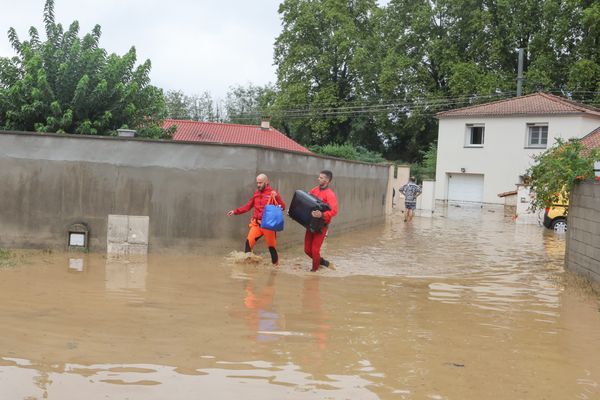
464,305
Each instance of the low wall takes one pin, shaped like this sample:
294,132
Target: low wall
48,182
583,234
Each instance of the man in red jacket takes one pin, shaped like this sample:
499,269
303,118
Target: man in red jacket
314,240
262,196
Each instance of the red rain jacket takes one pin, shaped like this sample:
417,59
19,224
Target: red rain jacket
259,200
329,198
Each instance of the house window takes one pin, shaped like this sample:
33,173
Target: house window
475,135
537,135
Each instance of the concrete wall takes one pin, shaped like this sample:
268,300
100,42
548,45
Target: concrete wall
48,182
583,235
504,155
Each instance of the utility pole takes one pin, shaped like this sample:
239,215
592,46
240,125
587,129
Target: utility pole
520,78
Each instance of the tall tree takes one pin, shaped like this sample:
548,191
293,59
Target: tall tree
70,84
351,71
249,104
319,55
203,107
177,105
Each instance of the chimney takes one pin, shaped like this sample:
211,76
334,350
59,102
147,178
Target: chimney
265,123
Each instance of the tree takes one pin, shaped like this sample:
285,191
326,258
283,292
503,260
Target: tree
177,105
322,55
249,104
203,108
353,72
193,107
70,84
557,169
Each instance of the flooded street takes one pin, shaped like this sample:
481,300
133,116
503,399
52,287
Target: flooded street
464,305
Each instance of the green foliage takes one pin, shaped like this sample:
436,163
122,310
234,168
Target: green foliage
70,84
6,258
323,64
192,107
426,168
557,169
247,105
348,152
354,72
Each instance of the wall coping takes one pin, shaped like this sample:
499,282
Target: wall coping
184,142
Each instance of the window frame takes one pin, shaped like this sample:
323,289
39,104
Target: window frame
469,135
529,133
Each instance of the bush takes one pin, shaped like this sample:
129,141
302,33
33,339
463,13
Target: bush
557,169
349,152
426,168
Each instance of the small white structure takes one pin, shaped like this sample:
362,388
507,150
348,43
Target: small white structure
397,177
484,150
524,214
127,234
426,201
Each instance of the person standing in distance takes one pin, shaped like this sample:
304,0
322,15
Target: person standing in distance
314,240
410,191
261,197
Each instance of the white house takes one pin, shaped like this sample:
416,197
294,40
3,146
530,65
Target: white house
484,150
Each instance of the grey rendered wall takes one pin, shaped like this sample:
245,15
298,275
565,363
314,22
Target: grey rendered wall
583,235
48,182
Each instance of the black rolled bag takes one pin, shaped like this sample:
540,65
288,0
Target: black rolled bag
301,207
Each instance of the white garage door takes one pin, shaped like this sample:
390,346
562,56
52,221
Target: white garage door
465,187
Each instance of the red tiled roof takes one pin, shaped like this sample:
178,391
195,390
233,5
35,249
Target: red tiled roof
532,104
592,139
214,132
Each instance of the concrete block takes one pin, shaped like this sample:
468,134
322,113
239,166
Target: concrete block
137,249
576,246
596,256
577,234
587,202
117,229
138,229
120,249
585,189
574,211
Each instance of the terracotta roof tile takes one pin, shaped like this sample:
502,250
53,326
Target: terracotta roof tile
213,132
592,139
532,104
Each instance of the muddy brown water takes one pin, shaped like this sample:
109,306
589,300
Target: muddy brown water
464,305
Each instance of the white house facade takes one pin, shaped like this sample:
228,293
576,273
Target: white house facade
485,150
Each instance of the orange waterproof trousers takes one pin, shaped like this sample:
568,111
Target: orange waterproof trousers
256,232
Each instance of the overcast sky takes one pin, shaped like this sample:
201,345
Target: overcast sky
194,45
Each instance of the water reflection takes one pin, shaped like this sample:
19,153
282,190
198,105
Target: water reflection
224,380
261,316
463,305
76,264
126,274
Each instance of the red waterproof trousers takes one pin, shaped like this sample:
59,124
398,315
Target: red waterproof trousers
312,246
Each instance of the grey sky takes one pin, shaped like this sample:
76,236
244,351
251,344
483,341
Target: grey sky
194,45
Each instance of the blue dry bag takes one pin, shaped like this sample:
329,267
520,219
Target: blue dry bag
272,218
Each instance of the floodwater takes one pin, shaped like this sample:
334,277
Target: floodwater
464,305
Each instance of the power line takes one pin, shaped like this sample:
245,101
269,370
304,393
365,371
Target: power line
427,107
370,108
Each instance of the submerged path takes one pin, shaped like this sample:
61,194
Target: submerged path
463,305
